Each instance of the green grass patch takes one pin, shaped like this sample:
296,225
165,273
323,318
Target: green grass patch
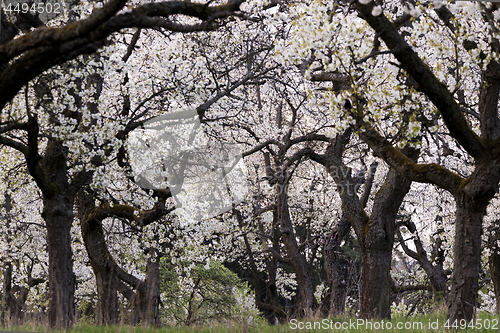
485,323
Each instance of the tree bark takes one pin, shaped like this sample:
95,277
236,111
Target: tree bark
107,304
377,243
376,248
462,300
100,259
151,316
494,263
58,201
336,269
58,216
375,284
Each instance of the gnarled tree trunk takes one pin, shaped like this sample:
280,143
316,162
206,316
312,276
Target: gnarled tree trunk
375,233
111,278
335,264
100,259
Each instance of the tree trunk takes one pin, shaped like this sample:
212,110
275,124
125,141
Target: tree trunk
375,233
58,216
375,291
335,265
51,175
336,269
437,275
100,259
494,262
272,305
462,300
306,301
7,299
111,278
15,304
377,240
151,316
266,293
107,304
471,202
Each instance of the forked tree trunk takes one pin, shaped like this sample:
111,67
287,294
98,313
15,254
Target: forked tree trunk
110,277
102,264
306,303
375,233
335,265
377,240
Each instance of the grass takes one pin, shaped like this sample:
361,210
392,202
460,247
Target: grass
417,324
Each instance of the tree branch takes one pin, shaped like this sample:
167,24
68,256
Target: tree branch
488,102
45,47
332,161
418,287
435,90
368,184
423,173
